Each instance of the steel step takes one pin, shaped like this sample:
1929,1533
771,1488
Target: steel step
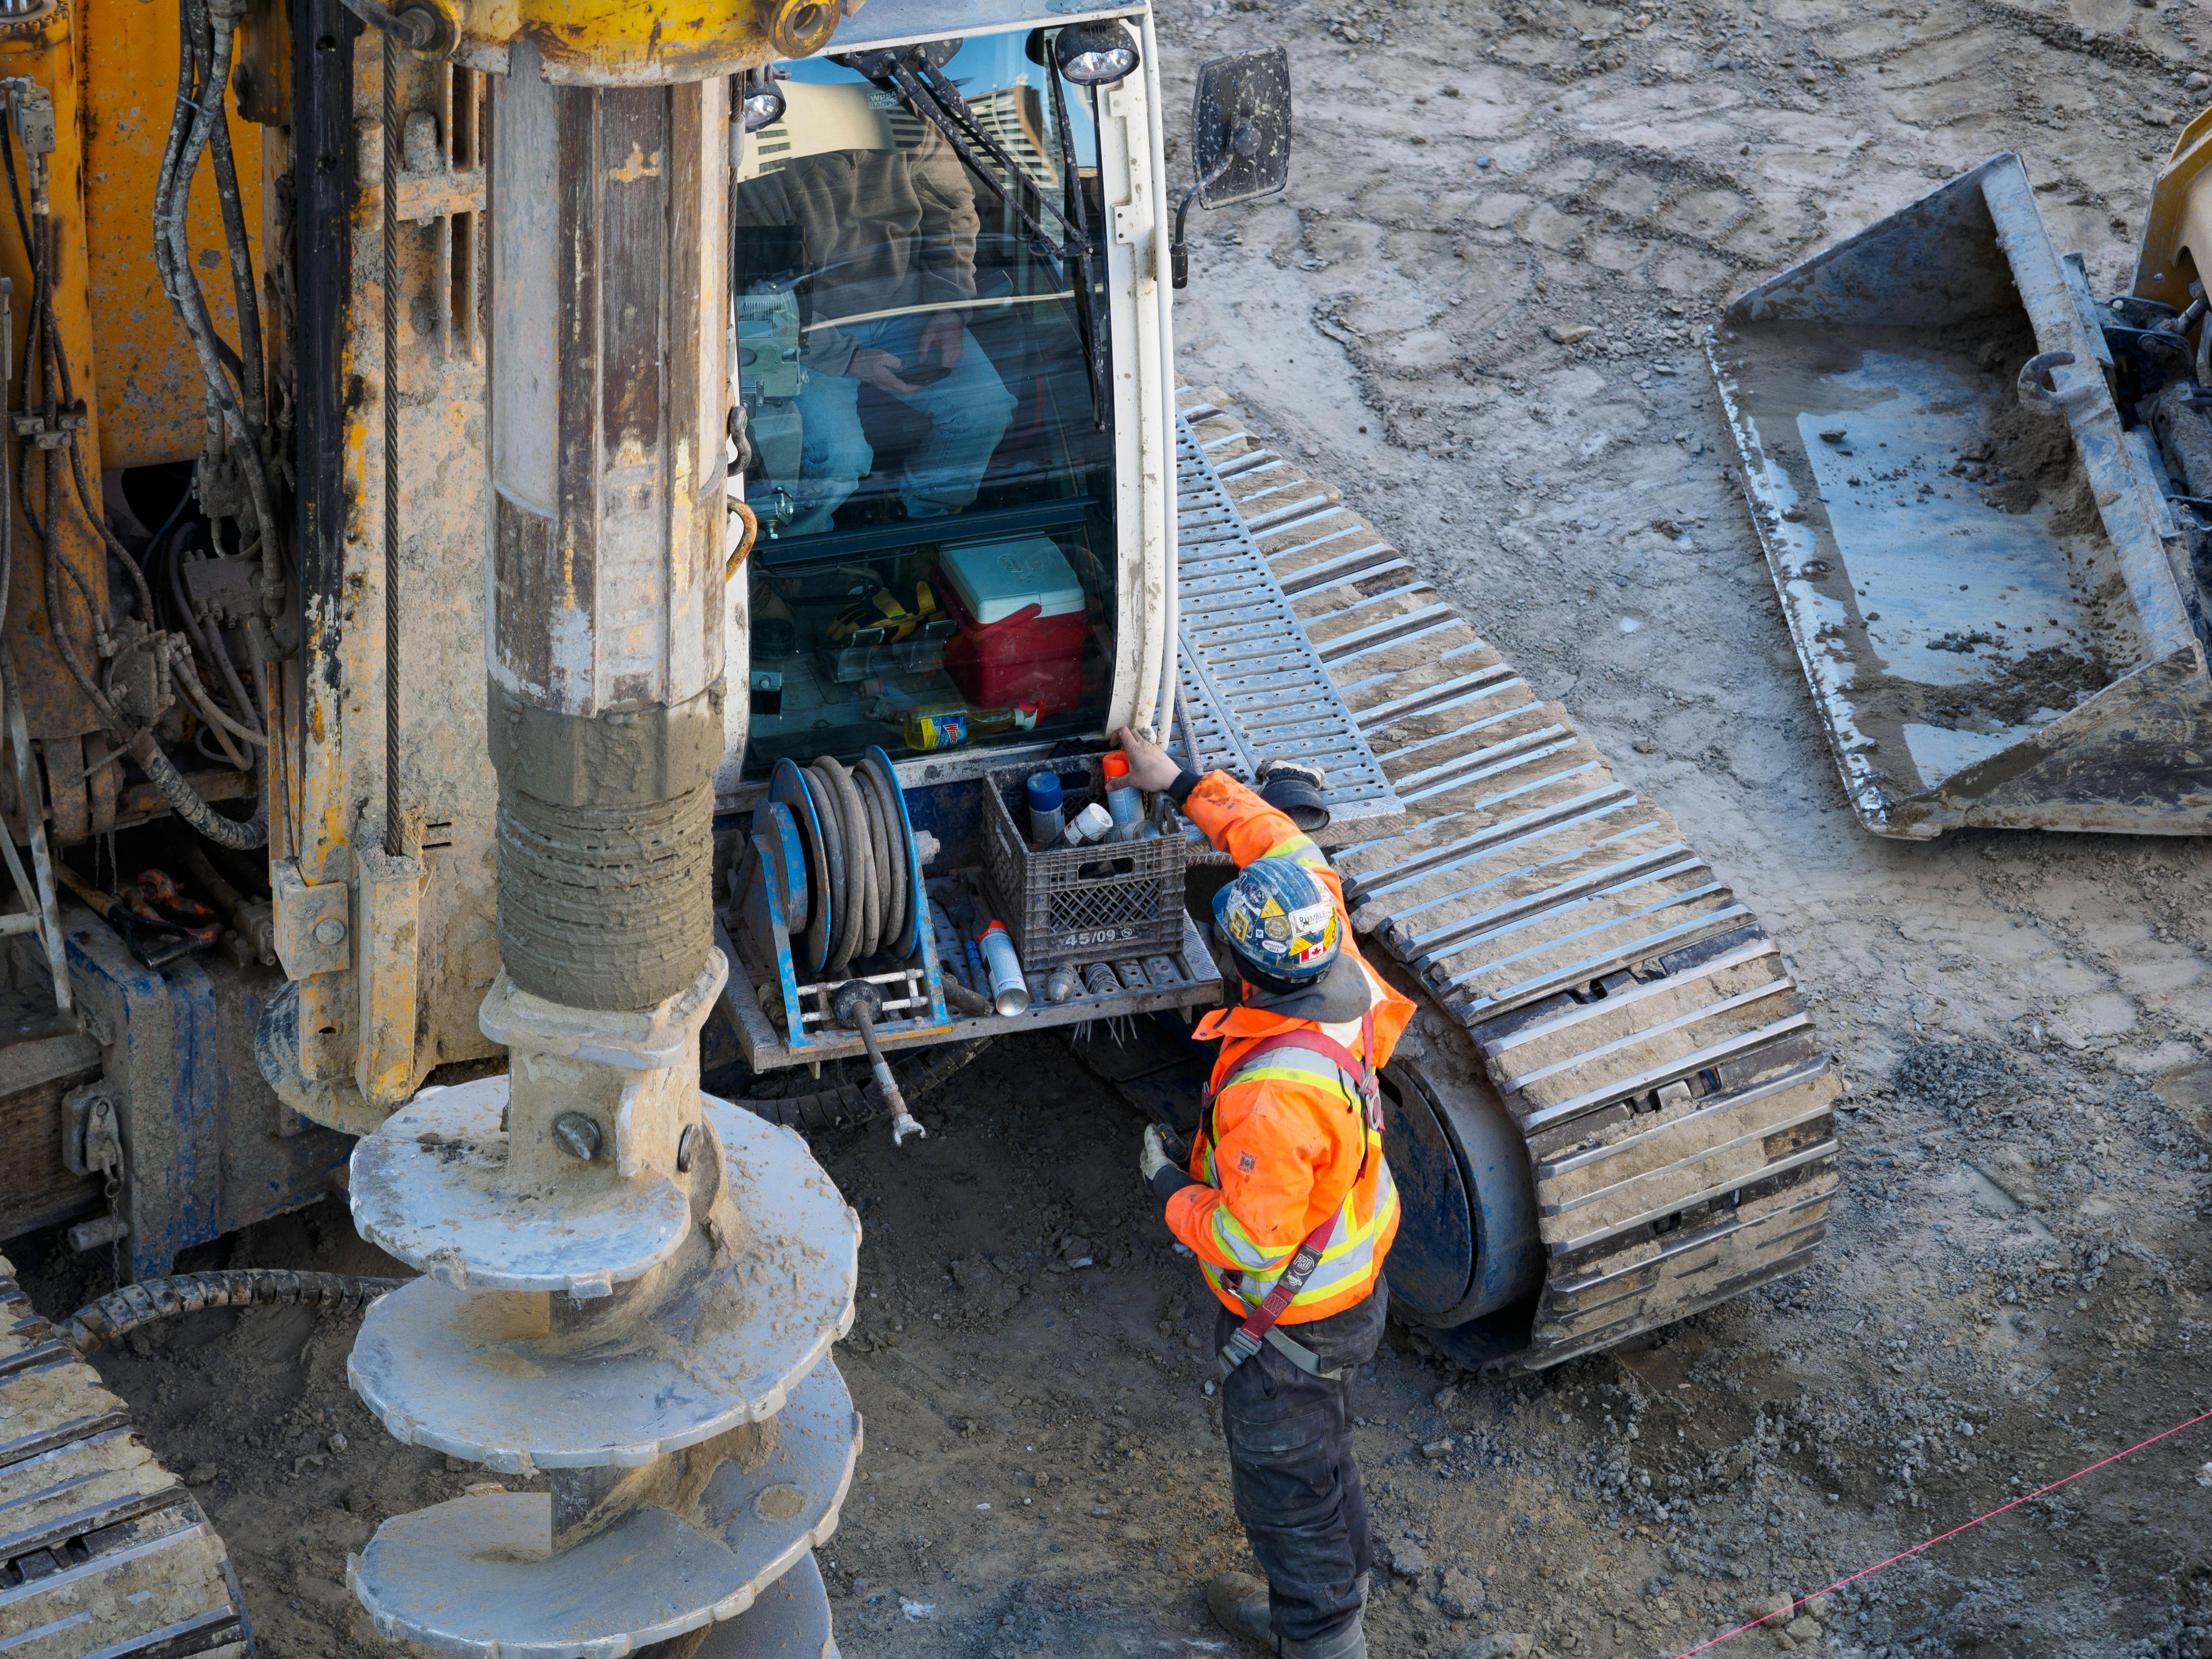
1637,1022
1254,683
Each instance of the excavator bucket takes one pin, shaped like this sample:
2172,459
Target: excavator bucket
1967,474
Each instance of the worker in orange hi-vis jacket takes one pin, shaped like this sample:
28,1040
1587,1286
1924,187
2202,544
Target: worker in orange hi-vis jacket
1288,1204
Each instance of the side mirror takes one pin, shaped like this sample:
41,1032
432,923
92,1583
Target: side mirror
1240,136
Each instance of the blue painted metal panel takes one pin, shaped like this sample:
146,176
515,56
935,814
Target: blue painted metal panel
208,1147
197,1104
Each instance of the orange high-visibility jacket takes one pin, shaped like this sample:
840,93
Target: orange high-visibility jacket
1288,1137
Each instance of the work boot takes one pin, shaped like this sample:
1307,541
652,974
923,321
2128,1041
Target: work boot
1238,1602
1350,1643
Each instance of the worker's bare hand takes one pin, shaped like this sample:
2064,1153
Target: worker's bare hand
1150,765
943,339
881,368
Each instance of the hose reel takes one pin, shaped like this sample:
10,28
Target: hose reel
858,861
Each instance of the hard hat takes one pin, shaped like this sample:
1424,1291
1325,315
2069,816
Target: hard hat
1280,921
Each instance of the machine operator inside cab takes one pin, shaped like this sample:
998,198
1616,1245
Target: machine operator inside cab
931,459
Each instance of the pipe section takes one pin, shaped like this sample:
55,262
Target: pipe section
609,397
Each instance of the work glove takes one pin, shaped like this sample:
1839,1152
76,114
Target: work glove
1294,789
1282,766
1154,1157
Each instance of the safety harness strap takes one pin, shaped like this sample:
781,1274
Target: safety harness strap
1304,1357
1260,1325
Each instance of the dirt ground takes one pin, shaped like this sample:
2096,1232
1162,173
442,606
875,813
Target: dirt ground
2017,1282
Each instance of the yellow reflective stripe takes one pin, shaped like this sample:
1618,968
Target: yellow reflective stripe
1318,1072
1247,1251
1330,1279
1297,847
1296,1063
1288,1059
1228,1232
1349,1258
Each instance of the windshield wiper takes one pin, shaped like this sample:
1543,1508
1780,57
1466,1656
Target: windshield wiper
934,99
886,69
948,99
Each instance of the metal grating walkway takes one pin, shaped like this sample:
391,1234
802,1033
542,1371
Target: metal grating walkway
1256,686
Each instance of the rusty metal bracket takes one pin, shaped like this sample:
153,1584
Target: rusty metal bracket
391,916
315,927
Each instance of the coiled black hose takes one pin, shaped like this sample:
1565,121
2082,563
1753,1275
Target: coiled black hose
845,1104
865,857
92,1327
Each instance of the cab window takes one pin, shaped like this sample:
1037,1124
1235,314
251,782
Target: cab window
930,465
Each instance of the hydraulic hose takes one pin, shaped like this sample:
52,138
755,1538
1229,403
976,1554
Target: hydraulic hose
846,1104
240,836
45,355
182,666
251,365
196,698
92,1327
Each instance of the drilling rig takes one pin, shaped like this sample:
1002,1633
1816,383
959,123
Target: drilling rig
780,406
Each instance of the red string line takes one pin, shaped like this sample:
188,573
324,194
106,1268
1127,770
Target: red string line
2027,1498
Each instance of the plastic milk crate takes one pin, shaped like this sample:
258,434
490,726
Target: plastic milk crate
1103,901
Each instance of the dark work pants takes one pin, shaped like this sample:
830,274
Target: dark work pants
1291,1468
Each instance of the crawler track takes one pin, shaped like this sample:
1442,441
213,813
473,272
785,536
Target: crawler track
1639,1026
101,1551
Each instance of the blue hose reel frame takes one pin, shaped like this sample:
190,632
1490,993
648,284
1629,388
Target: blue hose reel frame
788,917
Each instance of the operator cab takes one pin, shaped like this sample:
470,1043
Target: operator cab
928,445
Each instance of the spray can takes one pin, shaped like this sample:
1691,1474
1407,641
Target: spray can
1123,802
1046,820
1010,992
1093,824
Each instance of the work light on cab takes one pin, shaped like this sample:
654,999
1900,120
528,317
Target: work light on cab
763,101
1095,54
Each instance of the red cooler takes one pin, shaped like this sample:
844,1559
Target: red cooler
1022,632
